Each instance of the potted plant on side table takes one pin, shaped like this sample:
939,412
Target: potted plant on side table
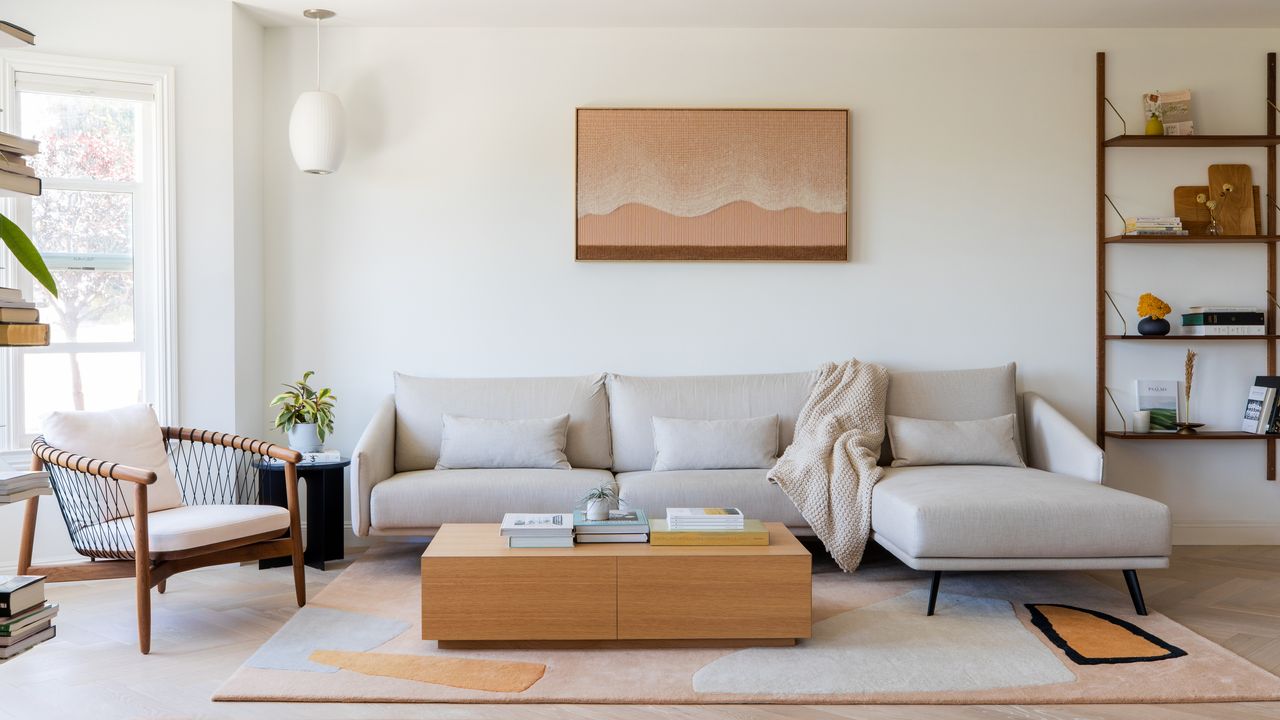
599,501
306,414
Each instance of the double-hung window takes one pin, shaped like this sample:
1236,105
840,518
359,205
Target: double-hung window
102,226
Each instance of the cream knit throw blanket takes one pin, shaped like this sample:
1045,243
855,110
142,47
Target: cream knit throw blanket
830,468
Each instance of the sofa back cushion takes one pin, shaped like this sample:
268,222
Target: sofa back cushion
421,404
634,401
955,395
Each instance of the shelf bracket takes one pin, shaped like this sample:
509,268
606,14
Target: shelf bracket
1119,214
1123,322
1123,423
1124,127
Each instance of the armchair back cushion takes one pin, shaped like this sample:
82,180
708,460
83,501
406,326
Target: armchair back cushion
955,395
421,404
127,436
634,402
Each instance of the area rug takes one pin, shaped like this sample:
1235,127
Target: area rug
997,638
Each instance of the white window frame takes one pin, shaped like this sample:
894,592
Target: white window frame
160,316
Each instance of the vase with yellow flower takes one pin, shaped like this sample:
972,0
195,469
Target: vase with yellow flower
1152,310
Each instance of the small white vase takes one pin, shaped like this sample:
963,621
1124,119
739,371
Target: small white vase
304,438
598,509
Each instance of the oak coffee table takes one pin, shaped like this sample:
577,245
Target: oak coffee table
477,592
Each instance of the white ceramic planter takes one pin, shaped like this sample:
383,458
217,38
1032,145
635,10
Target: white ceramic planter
304,438
598,509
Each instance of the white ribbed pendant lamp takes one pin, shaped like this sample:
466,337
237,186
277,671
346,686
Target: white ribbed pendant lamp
317,132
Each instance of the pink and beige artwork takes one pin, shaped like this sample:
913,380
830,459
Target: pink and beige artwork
719,184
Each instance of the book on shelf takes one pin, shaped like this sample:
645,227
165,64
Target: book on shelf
15,480
1224,318
1197,309
20,624
20,593
21,146
15,182
704,517
1173,108
19,315
1177,232
540,542
1273,382
24,334
612,537
18,304
20,34
1258,409
1162,398
1223,330
15,163
537,525
620,521
753,532
20,495
29,642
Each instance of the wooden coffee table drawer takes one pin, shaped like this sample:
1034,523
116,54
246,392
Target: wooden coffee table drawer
552,598
714,597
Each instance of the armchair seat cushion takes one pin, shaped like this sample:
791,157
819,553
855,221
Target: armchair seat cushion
430,498
1004,512
193,526
747,490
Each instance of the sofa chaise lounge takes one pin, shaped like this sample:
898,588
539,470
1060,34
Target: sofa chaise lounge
1053,514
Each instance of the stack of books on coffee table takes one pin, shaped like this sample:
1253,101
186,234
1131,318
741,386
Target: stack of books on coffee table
623,526
26,618
538,530
18,485
707,526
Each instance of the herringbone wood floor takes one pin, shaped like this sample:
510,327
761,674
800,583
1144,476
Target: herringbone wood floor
211,620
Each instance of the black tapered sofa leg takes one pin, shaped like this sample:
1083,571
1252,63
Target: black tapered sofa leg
1135,591
933,590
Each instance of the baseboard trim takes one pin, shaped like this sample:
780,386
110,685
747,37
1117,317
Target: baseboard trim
1226,534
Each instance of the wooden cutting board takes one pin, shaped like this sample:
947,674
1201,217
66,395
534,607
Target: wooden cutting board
1195,217
1235,211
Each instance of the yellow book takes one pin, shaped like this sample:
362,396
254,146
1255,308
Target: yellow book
24,334
753,533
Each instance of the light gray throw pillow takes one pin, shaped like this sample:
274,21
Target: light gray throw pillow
681,444
469,442
992,441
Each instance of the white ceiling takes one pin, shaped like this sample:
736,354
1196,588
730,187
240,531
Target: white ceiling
778,13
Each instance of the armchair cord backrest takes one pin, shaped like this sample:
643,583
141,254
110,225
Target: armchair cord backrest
92,501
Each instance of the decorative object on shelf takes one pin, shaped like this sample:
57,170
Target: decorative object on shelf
1235,213
317,126
1152,310
1187,427
306,414
1154,125
1171,110
712,184
1142,421
1160,397
1195,216
599,500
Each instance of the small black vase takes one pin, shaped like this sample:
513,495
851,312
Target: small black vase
1152,326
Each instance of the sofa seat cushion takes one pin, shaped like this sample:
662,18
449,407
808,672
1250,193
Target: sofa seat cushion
1003,512
430,498
747,490
192,526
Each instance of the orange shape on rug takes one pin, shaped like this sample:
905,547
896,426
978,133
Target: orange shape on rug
1091,637
465,673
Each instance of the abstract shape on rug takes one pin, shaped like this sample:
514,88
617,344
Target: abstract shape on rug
506,676
319,628
972,643
1090,637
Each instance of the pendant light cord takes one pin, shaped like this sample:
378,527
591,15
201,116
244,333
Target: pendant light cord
317,53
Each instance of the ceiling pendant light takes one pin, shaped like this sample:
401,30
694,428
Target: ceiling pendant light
317,134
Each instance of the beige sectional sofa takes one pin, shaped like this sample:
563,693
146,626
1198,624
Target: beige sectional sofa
1053,514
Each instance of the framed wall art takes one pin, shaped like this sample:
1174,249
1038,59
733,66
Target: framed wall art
712,184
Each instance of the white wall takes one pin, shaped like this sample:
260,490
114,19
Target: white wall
444,246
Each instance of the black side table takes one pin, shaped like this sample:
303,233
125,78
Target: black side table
324,507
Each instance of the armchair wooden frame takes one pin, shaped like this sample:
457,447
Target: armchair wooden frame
153,569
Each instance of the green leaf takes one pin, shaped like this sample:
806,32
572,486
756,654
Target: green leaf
24,251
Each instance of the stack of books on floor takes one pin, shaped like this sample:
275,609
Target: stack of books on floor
1154,226
26,618
18,485
623,526
20,321
707,526
15,174
533,530
1211,320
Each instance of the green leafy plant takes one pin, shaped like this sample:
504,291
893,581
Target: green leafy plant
24,251
302,403
602,492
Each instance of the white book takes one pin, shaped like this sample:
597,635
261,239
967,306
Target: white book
537,524
1223,309
614,538
36,639
540,542
1257,409
1221,330
19,495
323,456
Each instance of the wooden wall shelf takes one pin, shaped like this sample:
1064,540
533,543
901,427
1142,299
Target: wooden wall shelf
1269,141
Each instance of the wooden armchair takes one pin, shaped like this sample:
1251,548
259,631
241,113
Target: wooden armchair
219,520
